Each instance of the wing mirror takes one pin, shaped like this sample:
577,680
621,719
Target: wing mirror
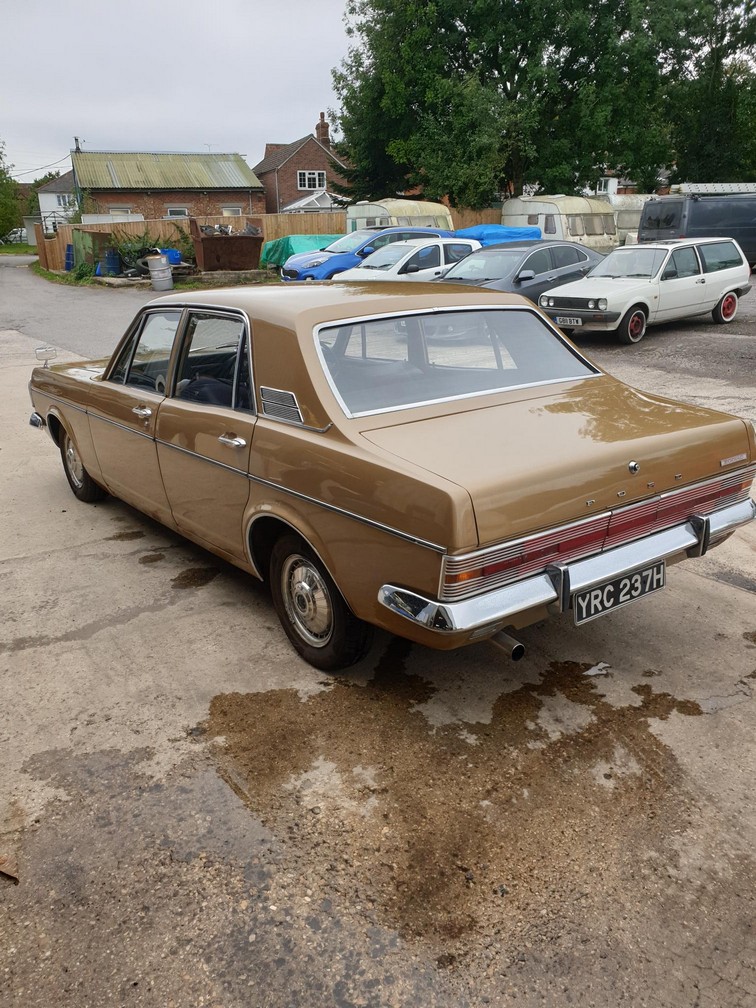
363,253
525,275
46,354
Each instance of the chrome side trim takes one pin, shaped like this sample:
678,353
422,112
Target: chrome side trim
123,427
64,402
269,484
497,607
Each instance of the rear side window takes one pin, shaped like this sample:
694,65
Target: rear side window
453,253
719,256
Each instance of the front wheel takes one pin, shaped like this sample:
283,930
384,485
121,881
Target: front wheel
727,308
312,611
632,328
84,487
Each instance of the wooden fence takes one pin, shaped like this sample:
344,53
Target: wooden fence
166,233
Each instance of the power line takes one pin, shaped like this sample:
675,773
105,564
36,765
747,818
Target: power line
32,170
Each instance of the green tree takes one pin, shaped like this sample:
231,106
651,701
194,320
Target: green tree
469,97
714,100
10,216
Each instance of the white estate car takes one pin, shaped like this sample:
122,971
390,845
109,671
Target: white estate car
640,285
414,259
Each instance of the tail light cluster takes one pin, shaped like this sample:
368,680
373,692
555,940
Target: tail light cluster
486,570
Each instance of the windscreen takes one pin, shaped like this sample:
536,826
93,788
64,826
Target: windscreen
661,216
403,361
349,242
485,265
384,258
631,261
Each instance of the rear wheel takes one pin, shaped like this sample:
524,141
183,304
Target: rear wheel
311,609
727,308
632,328
82,484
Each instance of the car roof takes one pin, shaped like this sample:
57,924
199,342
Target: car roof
409,243
310,302
672,242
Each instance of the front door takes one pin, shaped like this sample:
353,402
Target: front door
683,288
124,412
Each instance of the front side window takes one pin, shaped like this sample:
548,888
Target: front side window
538,262
143,361
394,363
683,263
311,180
214,365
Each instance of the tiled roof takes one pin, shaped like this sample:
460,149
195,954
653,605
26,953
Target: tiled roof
281,153
145,170
63,184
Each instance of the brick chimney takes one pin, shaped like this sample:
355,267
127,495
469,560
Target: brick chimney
321,131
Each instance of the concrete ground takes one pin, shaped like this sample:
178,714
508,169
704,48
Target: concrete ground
190,815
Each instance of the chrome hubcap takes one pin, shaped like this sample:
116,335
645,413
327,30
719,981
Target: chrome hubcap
73,463
307,600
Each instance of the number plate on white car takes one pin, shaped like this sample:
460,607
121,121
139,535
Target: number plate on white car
602,598
567,320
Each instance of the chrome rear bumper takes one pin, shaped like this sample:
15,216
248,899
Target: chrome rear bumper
555,586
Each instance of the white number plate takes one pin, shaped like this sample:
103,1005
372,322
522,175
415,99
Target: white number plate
567,320
602,598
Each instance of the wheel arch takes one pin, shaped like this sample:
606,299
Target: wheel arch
265,529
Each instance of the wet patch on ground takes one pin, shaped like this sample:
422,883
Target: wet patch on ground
126,536
195,577
447,832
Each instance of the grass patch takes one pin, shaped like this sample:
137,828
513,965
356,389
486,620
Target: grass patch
67,279
18,248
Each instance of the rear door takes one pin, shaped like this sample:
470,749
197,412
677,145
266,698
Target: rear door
205,428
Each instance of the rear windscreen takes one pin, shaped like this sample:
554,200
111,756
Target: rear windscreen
661,216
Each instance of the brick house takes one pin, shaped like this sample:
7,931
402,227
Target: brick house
295,171
162,185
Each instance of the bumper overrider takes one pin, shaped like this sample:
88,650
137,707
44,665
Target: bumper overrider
484,615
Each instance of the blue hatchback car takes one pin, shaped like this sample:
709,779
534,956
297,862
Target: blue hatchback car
349,251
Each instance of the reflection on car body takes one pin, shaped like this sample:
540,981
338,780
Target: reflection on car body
442,464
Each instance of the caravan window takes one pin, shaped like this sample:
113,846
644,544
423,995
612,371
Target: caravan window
575,225
549,224
593,224
609,226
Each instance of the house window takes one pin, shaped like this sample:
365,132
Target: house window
65,200
176,211
231,211
120,210
311,180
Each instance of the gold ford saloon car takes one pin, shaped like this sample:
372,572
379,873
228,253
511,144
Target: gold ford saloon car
439,462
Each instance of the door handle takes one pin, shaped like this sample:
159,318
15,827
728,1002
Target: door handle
702,280
232,441
142,411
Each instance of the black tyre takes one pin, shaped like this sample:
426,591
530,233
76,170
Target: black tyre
82,484
632,328
312,612
727,308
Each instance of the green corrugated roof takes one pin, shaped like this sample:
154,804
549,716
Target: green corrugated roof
134,170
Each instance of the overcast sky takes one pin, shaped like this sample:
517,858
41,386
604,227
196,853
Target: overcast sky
163,75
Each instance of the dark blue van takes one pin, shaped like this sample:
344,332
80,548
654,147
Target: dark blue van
702,215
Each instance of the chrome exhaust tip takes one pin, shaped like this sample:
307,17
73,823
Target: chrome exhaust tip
511,647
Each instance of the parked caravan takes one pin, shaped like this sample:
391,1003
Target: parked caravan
398,213
627,209
716,210
582,219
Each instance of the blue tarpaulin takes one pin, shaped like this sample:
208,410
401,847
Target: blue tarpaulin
492,234
276,252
